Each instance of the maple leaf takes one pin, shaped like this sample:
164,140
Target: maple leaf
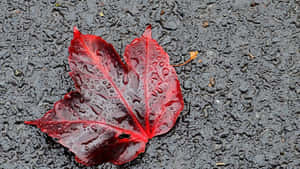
116,107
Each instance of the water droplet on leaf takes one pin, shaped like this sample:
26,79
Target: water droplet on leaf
125,79
165,71
94,128
154,76
159,90
154,93
81,100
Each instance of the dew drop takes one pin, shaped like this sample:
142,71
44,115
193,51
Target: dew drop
154,76
136,100
59,129
98,52
139,52
86,148
139,114
159,90
154,93
81,100
94,128
73,128
78,80
161,64
154,63
84,126
134,61
165,71
125,79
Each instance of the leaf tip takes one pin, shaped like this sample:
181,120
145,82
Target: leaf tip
76,32
33,122
147,32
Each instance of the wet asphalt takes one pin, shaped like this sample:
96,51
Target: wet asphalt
241,94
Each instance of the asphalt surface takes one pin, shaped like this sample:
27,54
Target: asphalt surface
242,92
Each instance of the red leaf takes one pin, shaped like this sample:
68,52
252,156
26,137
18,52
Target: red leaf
116,108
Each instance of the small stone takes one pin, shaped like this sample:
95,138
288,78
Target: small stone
243,87
298,90
52,1
297,147
170,23
260,159
218,146
211,54
187,85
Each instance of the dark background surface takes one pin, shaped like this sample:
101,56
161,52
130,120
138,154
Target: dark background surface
249,118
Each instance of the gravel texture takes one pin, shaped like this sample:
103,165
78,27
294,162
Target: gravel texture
242,99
